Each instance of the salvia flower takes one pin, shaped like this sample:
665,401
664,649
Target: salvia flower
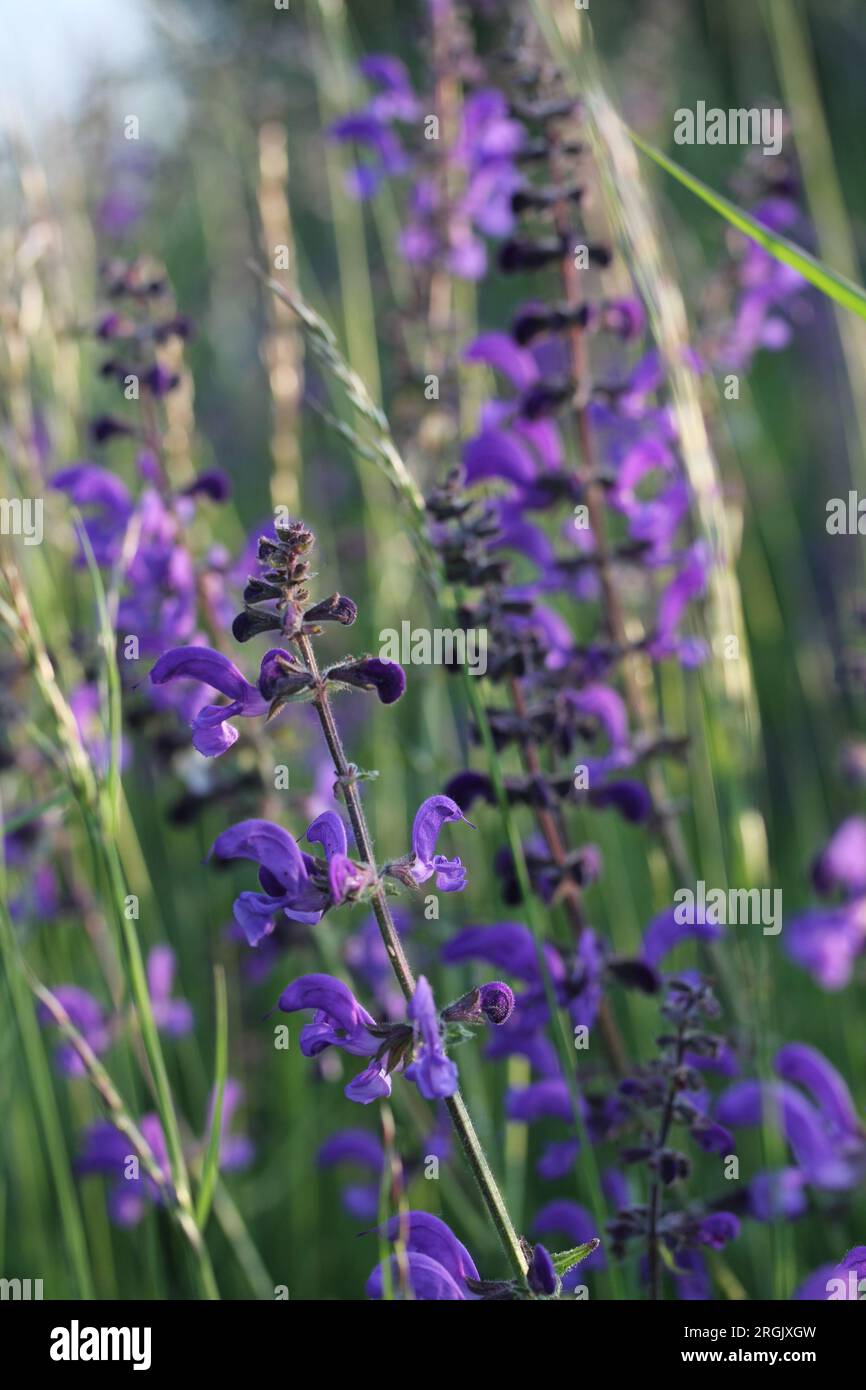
438,1264
433,1072
292,882
424,862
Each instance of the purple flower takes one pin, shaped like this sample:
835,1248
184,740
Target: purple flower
106,506
429,819
108,1151
540,1100
833,1283
809,1068
842,862
284,876
826,941
717,1229
85,1014
212,735
812,1144
172,1016
340,1021
494,1002
386,677
510,946
778,1196
688,583
541,1275
439,1264
433,1072
427,1280
665,932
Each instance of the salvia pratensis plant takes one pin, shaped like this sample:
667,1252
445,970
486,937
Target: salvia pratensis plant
557,513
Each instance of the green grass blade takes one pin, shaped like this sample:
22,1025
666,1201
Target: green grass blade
835,286
210,1168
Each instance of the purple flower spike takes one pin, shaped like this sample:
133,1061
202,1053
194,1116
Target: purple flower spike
433,1072
172,1016
387,678
429,819
211,736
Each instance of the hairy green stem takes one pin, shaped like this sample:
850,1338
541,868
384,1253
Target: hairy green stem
460,1118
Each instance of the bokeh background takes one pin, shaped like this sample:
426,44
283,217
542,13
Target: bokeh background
233,102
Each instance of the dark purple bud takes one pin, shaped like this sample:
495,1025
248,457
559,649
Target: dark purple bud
336,609
387,678
159,380
497,1002
631,799
534,320
516,256
213,483
106,427
253,621
494,1001
468,786
281,674
635,974
177,327
545,399
671,1166
260,590
113,325
533,197
541,1275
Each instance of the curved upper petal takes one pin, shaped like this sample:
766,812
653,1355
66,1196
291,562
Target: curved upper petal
266,844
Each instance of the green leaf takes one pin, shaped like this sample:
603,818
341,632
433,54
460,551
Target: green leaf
567,1259
830,282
